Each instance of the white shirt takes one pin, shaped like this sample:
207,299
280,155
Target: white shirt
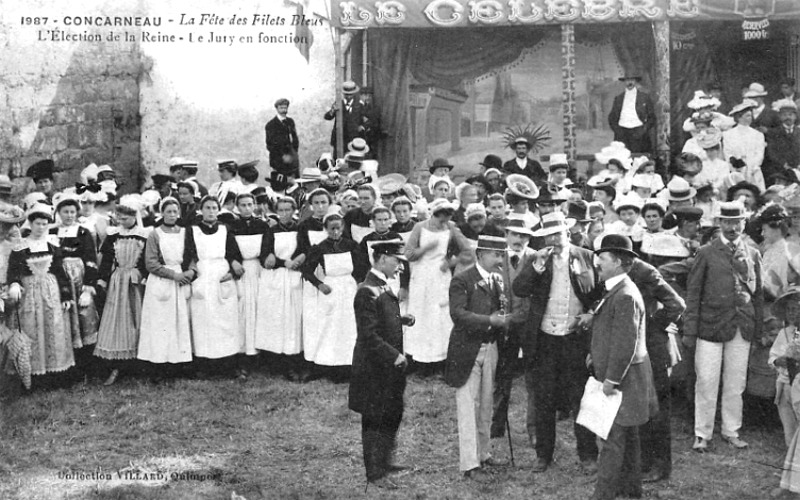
563,305
628,117
522,162
747,144
714,172
612,282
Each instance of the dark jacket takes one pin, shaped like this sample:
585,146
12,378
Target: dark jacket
472,301
281,138
358,116
724,292
644,110
537,286
533,170
619,353
376,385
782,148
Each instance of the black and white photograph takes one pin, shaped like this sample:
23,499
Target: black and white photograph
428,249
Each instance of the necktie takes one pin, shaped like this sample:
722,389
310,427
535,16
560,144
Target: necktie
514,261
732,246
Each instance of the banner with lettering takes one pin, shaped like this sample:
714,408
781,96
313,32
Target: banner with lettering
360,14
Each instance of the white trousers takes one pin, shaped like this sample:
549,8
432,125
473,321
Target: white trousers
712,360
474,404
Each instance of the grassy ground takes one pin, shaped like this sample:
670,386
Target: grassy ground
269,438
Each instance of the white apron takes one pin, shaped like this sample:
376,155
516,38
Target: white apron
214,305
164,333
247,287
335,342
278,327
428,301
312,325
358,232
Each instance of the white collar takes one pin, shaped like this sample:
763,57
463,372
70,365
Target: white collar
728,242
485,275
613,281
630,91
380,275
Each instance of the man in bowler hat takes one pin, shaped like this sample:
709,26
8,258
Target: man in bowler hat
619,359
378,379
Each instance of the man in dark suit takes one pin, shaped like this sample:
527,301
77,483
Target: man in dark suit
281,138
619,359
476,307
517,253
561,284
633,117
725,311
523,165
783,141
663,307
356,119
378,379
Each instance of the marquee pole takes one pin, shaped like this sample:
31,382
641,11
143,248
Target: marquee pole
661,36
568,90
339,78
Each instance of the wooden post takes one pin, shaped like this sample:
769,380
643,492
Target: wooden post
568,90
661,37
339,79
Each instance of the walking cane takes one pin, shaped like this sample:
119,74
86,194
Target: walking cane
510,445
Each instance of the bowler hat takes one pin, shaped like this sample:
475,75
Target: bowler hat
615,243
161,179
492,161
754,190
633,76
440,163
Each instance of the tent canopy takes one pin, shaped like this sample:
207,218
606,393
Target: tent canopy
362,14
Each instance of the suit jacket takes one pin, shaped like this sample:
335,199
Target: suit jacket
281,137
644,110
537,287
472,301
376,385
724,292
518,307
358,116
533,170
768,119
619,352
782,148
662,306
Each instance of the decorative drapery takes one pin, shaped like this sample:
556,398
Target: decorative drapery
568,90
661,90
442,59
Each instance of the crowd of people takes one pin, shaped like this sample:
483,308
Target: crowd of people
338,271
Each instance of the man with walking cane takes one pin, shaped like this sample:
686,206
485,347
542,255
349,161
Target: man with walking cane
378,379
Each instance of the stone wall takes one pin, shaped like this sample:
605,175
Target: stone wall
74,102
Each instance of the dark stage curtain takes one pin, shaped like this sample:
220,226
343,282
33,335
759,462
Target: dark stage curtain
443,58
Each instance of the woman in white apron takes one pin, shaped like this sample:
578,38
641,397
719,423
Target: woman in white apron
334,268
311,232
249,233
214,307
278,327
428,291
165,335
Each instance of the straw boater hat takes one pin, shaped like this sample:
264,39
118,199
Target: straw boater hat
553,223
678,189
664,245
350,88
518,226
743,106
731,210
779,306
615,243
310,174
522,140
358,147
486,242
522,186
